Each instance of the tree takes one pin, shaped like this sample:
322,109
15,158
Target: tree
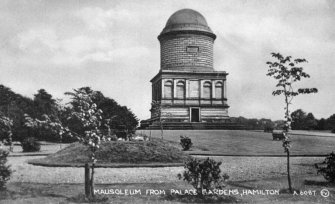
44,104
321,124
311,122
298,120
6,131
120,116
156,108
287,72
14,106
90,120
331,122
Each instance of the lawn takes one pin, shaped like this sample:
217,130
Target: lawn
248,143
37,184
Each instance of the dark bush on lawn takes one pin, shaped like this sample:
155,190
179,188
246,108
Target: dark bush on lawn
30,144
333,130
203,175
268,129
5,171
327,168
185,142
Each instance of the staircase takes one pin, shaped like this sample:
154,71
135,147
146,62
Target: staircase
194,126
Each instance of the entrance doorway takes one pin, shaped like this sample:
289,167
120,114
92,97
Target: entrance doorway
195,115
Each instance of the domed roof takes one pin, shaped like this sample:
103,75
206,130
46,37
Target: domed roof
187,20
186,16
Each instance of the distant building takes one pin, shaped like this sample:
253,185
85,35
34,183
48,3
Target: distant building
190,93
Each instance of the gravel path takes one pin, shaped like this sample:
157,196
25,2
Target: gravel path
238,168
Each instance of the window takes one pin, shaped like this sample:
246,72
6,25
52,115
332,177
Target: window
192,49
207,90
180,89
218,90
168,89
194,89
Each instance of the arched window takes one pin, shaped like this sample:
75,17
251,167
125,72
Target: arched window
180,89
207,90
168,89
218,90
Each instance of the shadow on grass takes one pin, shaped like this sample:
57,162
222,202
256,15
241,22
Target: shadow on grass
81,198
319,183
201,199
241,184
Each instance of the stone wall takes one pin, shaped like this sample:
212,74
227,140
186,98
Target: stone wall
187,51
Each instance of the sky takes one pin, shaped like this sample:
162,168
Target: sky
112,47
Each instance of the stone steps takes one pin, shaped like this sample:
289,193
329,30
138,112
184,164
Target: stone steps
195,126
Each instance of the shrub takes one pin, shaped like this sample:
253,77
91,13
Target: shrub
185,142
333,130
5,170
268,129
30,144
113,137
203,175
327,168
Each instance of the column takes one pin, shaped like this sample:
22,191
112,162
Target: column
225,89
213,89
187,95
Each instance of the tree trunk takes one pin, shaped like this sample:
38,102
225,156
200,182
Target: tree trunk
92,181
288,171
87,181
161,124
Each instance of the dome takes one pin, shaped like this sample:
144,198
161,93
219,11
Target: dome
186,20
186,16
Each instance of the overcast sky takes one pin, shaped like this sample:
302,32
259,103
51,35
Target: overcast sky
112,47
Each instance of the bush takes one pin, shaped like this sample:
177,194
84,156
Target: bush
5,170
113,137
327,168
268,129
203,175
30,144
185,142
333,130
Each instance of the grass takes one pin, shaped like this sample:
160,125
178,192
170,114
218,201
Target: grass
270,172
241,142
117,153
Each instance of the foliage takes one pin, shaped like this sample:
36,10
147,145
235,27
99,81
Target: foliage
203,175
119,117
30,144
257,124
156,111
89,124
5,170
330,124
6,130
321,124
328,171
268,129
303,121
15,106
287,72
185,142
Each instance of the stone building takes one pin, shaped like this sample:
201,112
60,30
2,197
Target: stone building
190,94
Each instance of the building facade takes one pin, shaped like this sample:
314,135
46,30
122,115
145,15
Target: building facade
187,90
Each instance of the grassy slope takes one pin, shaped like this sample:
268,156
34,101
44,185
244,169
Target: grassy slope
237,142
137,152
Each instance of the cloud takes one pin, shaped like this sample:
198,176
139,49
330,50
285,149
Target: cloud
73,51
98,19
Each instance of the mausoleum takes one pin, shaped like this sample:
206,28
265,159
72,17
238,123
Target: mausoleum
189,92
